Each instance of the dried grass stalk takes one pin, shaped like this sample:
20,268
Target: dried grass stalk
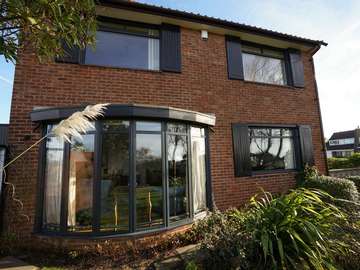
75,125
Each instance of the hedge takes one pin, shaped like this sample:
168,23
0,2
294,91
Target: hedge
336,187
356,180
342,163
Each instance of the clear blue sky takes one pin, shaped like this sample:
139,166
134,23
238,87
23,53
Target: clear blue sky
337,66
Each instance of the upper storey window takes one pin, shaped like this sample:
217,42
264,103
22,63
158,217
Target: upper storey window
120,45
133,45
263,65
260,63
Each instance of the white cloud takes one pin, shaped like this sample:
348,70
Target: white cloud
5,80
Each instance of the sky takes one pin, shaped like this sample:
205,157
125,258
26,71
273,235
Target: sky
337,65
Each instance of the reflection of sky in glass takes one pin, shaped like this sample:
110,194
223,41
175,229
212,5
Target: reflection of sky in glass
260,145
150,142
86,144
263,69
148,126
180,149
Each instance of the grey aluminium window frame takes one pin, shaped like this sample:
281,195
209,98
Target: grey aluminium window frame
113,29
287,68
96,232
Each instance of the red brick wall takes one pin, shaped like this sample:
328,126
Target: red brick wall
202,86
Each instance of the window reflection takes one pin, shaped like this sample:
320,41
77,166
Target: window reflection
81,184
177,171
53,183
272,149
115,182
263,69
149,184
198,168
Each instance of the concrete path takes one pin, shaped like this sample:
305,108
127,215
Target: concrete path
13,263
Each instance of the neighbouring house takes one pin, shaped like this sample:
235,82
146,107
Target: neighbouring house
203,113
343,143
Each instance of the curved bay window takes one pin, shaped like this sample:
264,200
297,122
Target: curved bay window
125,176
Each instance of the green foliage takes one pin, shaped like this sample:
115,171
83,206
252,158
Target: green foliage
191,266
293,231
350,234
342,163
356,180
344,191
354,159
44,25
338,163
307,173
224,241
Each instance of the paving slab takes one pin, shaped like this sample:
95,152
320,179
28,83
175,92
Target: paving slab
13,263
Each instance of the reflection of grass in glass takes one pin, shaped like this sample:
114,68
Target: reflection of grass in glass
115,210
149,206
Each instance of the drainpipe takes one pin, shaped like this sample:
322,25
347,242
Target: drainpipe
312,52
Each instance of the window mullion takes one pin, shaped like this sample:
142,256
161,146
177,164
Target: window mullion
132,178
209,199
65,189
97,178
190,190
165,175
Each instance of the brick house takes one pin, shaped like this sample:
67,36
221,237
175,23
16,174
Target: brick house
203,112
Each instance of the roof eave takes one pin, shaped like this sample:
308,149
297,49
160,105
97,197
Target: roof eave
141,7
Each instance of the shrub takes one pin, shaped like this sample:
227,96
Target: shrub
338,188
307,173
354,160
339,163
356,180
292,231
224,243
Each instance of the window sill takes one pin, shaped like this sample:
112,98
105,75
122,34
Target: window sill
285,86
114,68
113,235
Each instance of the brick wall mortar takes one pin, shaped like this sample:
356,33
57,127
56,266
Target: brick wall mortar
202,86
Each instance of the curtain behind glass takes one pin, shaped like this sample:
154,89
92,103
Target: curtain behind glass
53,183
198,169
153,53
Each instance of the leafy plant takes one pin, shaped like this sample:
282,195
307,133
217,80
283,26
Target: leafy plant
45,26
293,231
356,180
342,190
307,173
224,242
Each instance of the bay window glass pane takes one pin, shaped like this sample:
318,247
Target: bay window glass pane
53,183
272,153
114,212
177,171
148,126
124,50
149,183
198,169
263,69
116,126
81,184
176,128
